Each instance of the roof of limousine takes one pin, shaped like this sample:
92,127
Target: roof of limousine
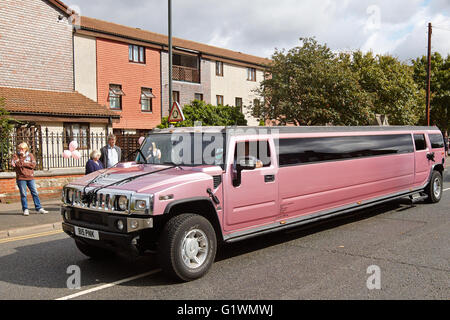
241,130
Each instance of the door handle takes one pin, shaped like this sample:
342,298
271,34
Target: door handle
269,178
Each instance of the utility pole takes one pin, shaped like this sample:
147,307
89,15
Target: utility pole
170,56
429,75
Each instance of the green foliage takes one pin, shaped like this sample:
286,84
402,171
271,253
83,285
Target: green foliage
208,115
440,88
5,121
391,86
310,85
6,128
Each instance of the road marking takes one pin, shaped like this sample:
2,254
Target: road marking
446,189
109,285
31,236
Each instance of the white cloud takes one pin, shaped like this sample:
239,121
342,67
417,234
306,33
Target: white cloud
258,26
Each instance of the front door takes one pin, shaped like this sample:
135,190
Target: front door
251,195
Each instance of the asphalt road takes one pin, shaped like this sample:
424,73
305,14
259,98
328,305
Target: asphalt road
409,245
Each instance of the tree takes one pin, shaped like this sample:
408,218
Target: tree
208,115
6,127
440,88
310,85
391,85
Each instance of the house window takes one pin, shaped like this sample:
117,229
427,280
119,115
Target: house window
146,99
198,96
175,96
136,54
115,96
238,103
256,103
219,100
251,74
78,132
219,68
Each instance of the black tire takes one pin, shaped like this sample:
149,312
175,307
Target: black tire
178,242
435,187
93,252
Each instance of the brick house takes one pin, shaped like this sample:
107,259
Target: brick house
38,89
119,72
105,44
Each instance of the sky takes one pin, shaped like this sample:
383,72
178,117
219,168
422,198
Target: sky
258,27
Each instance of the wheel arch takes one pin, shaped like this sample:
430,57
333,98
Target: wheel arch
202,206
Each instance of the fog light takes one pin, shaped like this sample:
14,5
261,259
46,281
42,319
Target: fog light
119,225
134,224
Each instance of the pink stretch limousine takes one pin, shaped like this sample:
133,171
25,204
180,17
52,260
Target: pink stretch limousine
191,188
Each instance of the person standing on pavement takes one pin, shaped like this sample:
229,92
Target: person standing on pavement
24,164
110,154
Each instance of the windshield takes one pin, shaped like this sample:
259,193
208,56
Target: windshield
187,149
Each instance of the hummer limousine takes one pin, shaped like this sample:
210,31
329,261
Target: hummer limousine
190,189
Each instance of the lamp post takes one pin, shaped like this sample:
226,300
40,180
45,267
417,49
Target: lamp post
428,98
170,55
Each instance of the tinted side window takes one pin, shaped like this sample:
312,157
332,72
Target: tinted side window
307,150
436,141
419,141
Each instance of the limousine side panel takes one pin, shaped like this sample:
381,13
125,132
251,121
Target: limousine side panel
327,185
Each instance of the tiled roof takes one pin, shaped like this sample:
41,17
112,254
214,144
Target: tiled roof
101,26
60,5
26,101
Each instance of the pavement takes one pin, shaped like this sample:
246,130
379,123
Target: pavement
14,224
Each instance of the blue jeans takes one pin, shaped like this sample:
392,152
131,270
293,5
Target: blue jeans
23,184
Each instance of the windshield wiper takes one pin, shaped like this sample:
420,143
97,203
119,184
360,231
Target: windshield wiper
173,164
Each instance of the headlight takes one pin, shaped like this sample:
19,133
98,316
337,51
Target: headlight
123,203
140,205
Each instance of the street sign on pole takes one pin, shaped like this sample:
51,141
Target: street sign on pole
176,114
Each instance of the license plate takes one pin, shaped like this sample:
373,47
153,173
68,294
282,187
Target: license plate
87,233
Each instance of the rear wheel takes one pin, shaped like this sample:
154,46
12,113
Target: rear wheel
187,247
93,252
434,188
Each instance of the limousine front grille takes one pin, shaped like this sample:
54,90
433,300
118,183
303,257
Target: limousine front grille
104,201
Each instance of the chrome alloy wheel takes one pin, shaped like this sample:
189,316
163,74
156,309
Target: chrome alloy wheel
194,248
437,186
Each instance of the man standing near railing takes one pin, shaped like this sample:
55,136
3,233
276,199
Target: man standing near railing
110,154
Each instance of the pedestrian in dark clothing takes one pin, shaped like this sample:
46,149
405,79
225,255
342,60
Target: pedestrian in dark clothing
24,164
94,162
110,154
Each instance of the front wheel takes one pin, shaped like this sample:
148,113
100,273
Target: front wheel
434,188
187,247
